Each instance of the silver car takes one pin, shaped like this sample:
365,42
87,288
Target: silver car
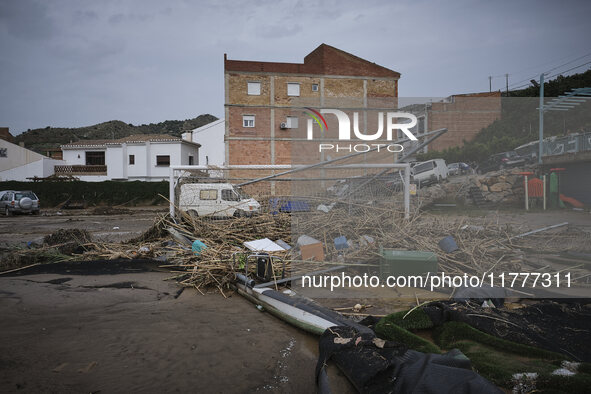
19,202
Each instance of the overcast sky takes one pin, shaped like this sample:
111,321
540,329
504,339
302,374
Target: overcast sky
67,63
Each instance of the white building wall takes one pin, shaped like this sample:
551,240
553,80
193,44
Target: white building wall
186,151
41,168
115,163
137,170
211,138
16,156
144,168
75,156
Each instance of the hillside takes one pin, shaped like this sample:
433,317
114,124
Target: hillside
53,137
519,121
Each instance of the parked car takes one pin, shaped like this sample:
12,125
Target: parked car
458,168
216,199
500,161
12,202
430,171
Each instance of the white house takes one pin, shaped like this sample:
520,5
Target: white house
21,164
145,157
211,139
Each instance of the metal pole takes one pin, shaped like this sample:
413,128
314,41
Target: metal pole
407,192
171,192
507,83
541,118
490,84
544,186
526,195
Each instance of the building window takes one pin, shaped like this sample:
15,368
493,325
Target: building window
3,152
421,125
247,120
131,160
163,160
254,88
292,122
208,194
293,89
314,87
95,158
191,160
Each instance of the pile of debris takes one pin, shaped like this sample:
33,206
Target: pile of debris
202,252
498,188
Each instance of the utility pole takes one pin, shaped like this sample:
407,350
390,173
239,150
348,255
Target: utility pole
507,83
490,84
541,118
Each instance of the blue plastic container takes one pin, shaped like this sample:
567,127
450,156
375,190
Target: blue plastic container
340,243
448,244
198,246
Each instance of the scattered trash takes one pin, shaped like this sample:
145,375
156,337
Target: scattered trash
342,341
263,245
340,243
260,308
310,248
366,240
277,205
116,228
540,230
178,236
379,342
197,247
283,244
325,208
471,227
448,244
524,382
563,372
144,249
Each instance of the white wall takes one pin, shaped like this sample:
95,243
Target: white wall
116,167
16,156
41,168
211,138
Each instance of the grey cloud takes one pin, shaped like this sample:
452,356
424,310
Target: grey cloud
277,31
26,19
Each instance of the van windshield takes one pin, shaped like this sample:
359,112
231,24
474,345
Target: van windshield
423,167
241,193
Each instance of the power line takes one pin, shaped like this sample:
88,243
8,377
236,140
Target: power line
552,69
570,69
572,61
552,76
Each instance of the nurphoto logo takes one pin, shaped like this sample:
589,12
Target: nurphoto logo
392,124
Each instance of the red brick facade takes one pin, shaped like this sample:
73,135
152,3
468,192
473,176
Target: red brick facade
328,78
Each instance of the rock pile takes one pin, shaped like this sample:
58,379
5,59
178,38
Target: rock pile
499,188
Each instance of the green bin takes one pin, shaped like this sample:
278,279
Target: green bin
406,262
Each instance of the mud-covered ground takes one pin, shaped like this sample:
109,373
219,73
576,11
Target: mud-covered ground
134,332
20,229
131,332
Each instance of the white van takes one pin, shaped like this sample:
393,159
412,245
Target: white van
429,171
216,199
